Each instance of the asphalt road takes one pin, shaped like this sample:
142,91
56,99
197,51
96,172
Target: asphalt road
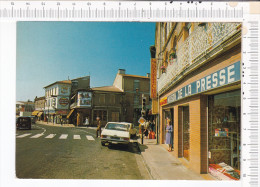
48,152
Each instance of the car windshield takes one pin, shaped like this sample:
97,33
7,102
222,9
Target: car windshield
24,119
116,126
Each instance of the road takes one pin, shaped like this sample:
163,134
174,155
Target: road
48,152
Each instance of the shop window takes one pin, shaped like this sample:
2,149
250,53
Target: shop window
224,131
186,132
100,113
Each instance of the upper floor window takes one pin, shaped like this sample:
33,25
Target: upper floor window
188,25
102,99
112,99
136,85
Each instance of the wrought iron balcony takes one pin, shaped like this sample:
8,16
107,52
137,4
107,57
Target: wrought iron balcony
200,42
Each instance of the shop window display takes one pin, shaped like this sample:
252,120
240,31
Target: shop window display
224,134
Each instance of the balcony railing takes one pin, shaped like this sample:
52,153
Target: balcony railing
200,42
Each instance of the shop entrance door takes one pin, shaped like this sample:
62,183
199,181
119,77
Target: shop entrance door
115,116
168,116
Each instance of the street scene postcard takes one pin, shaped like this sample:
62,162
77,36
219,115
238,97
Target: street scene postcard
131,101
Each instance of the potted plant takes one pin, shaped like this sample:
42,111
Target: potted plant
163,68
173,55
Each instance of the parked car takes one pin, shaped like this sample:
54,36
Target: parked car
116,133
23,123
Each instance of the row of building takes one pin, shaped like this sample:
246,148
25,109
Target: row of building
72,101
196,86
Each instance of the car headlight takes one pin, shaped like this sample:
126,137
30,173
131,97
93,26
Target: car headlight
105,136
126,139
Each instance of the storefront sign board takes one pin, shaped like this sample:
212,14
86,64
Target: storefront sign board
153,80
217,79
84,98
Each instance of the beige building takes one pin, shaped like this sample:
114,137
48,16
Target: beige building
198,87
134,87
39,107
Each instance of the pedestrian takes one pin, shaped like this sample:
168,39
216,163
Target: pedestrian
98,131
169,135
61,120
152,125
146,132
86,121
146,129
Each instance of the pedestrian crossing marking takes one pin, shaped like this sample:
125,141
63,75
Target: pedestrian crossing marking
50,136
23,135
64,136
77,137
37,136
90,137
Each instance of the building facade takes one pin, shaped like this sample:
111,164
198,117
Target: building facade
108,105
39,103
134,87
24,108
80,101
198,90
57,101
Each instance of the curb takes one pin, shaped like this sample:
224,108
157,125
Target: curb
145,163
153,174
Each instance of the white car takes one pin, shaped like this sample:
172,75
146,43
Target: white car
116,133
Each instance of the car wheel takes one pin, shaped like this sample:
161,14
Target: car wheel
102,143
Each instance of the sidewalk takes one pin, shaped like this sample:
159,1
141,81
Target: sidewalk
163,165
54,124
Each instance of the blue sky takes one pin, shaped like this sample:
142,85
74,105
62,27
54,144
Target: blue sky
53,51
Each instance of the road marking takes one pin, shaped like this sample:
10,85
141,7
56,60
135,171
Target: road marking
90,137
50,136
87,132
63,136
37,136
77,137
23,135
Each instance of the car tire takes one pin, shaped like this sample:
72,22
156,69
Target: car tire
102,143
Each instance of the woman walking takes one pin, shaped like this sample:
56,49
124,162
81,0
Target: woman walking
169,135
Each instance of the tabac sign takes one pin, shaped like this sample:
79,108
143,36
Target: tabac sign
153,78
217,79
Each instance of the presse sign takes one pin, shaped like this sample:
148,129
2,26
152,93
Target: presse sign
217,79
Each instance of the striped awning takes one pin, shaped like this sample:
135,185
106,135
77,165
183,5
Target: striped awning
34,113
68,116
39,114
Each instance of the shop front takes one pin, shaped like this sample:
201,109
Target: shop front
204,110
60,116
224,133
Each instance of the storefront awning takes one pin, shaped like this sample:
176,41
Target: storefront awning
39,114
68,116
34,113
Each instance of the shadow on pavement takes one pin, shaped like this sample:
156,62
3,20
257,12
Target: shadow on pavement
132,148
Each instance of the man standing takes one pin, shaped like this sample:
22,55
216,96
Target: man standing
98,127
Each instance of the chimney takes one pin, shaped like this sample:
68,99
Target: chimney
121,71
148,75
